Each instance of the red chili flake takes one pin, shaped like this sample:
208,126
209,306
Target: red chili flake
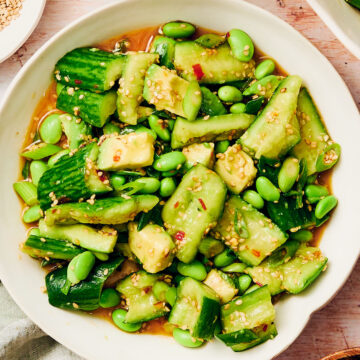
180,235
78,82
176,205
257,283
198,71
256,252
227,35
265,327
53,211
147,289
116,158
201,201
103,177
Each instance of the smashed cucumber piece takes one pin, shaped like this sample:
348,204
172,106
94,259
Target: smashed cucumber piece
193,209
276,130
137,288
116,210
216,128
248,232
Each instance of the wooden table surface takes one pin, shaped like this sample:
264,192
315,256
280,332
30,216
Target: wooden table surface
337,326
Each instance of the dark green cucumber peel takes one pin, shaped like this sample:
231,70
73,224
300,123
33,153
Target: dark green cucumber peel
93,108
90,69
67,179
115,210
40,246
211,104
84,295
287,215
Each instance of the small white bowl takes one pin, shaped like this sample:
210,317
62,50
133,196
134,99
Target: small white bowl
342,19
19,30
95,338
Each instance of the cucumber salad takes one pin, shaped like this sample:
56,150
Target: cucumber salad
181,182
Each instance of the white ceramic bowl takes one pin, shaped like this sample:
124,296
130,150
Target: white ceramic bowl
342,19
15,34
97,339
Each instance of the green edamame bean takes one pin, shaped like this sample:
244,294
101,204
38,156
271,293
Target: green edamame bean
110,128
221,146
254,199
178,29
169,161
50,129
32,214
118,317
267,189
324,206
184,338
315,193
238,108
159,127
80,267
224,259
167,187
141,129
35,232
252,288
53,159
241,45
302,235
109,298
151,185
230,94
59,87
235,268
159,289
288,174
170,296
116,181
37,169
244,282
265,68
170,173
195,270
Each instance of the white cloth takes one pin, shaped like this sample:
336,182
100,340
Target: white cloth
21,339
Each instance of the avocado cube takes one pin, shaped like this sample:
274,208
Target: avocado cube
153,246
222,284
199,154
236,168
130,151
168,91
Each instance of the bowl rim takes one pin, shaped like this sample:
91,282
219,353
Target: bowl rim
8,95
26,33
337,30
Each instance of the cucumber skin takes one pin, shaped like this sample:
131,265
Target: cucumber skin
41,246
268,135
93,108
81,67
84,295
66,179
311,130
116,210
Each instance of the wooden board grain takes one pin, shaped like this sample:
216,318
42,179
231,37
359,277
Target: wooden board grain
337,326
